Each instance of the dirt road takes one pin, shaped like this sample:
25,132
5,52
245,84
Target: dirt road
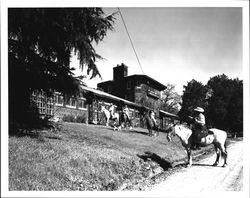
204,177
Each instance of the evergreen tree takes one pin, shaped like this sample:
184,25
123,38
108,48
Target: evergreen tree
40,44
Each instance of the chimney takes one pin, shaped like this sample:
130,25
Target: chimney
120,71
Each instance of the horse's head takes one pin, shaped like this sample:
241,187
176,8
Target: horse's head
170,131
102,108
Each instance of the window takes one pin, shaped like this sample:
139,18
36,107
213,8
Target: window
71,102
128,85
138,83
59,100
44,104
82,104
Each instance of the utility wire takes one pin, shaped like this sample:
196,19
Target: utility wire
130,40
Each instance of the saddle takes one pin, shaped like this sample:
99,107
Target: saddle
198,134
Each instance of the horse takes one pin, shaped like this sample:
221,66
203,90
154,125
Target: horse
214,136
151,127
108,117
124,120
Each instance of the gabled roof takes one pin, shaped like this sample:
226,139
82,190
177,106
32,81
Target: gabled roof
107,95
159,85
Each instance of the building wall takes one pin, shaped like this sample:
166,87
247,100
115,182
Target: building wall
89,110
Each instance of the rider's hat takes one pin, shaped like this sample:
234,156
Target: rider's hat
199,109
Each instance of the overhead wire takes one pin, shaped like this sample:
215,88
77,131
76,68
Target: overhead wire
130,40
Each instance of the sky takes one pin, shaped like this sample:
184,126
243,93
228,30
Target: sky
174,44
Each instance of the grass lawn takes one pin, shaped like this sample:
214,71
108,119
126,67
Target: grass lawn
88,157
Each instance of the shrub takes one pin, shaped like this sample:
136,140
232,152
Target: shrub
81,118
72,118
68,118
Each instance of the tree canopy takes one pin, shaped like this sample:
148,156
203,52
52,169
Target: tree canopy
194,95
170,99
222,99
226,103
40,44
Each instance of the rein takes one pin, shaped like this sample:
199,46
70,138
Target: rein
168,131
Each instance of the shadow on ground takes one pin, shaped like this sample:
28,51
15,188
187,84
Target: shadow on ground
126,130
208,165
149,156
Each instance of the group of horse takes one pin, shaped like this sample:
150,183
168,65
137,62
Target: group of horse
119,120
183,132
122,121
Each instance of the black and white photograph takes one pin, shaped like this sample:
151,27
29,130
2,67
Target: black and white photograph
108,99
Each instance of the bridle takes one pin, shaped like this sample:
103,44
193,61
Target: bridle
169,131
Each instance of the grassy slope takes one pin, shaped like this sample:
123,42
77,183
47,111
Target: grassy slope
81,157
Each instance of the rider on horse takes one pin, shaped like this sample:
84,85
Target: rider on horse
198,126
126,112
152,116
112,110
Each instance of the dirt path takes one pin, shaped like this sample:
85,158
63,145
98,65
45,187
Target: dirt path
204,177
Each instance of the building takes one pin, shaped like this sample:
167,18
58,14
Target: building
84,108
140,89
136,91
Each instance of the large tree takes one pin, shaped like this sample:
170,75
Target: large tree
195,94
41,42
170,99
222,99
225,108
235,110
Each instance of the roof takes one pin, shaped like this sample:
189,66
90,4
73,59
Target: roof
159,85
107,95
167,114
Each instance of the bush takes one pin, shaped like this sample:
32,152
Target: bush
72,118
68,118
81,118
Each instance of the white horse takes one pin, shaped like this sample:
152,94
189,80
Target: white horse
108,117
215,136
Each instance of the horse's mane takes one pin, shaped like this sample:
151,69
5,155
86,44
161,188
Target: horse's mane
182,127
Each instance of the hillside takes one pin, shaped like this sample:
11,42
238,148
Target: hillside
89,157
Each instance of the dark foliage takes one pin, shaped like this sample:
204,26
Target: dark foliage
222,99
40,44
194,95
226,104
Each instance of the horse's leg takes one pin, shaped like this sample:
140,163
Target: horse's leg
150,132
107,123
189,154
157,131
224,154
217,150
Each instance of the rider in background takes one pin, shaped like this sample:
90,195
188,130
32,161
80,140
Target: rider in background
126,111
112,110
152,116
